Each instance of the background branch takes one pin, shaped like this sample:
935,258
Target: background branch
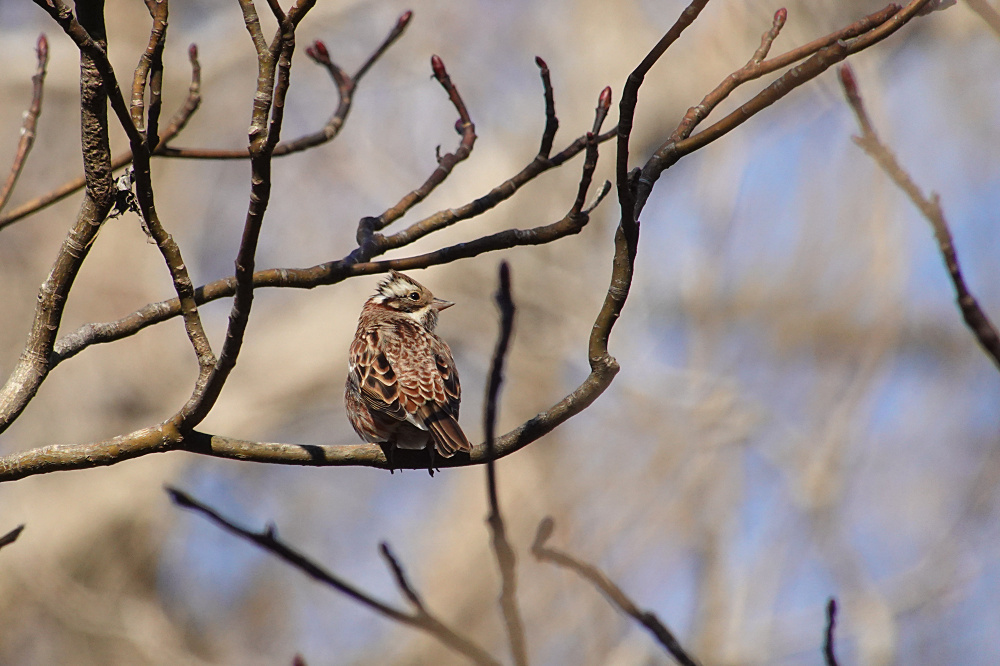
30,122
976,320
611,592
506,560
268,540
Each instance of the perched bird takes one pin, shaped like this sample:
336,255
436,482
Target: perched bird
402,385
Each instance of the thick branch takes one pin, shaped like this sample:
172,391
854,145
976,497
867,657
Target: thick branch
34,364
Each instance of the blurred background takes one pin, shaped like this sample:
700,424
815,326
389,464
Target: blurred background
800,412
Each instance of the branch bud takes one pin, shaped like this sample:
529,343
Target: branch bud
604,101
404,18
438,66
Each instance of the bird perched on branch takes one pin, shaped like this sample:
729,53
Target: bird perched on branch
402,385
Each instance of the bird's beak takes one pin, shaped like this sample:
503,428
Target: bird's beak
441,304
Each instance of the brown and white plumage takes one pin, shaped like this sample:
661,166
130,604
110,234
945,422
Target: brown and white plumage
402,385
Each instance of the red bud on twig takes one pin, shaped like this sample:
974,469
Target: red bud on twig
604,101
404,18
438,66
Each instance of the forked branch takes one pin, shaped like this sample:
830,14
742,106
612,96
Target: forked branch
420,618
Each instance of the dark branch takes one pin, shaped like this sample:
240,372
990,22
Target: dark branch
976,320
611,592
268,540
506,559
829,657
11,536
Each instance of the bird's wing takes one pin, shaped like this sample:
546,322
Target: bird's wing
427,385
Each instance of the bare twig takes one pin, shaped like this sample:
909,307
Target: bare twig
861,35
268,540
30,122
976,320
986,12
551,121
506,559
829,657
345,89
11,536
611,592
177,123
370,244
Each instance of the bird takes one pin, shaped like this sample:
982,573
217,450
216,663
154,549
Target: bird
402,384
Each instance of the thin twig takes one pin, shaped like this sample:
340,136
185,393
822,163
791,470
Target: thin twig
551,121
506,559
825,53
982,328
611,592
345,89
30,121
268,540
830,658
11,536
177,123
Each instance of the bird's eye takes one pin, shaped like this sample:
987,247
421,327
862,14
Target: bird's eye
414,296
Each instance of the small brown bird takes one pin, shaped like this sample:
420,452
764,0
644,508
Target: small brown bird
402,385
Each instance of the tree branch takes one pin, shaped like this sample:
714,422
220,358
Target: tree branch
975,319
611,592
11,536
504,552
829,657
30,122
986,12
419,619
177,123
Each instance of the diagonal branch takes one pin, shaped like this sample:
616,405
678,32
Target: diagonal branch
986,12
30,122
11,536
420,619
827,52
177,123
611,592
976,320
